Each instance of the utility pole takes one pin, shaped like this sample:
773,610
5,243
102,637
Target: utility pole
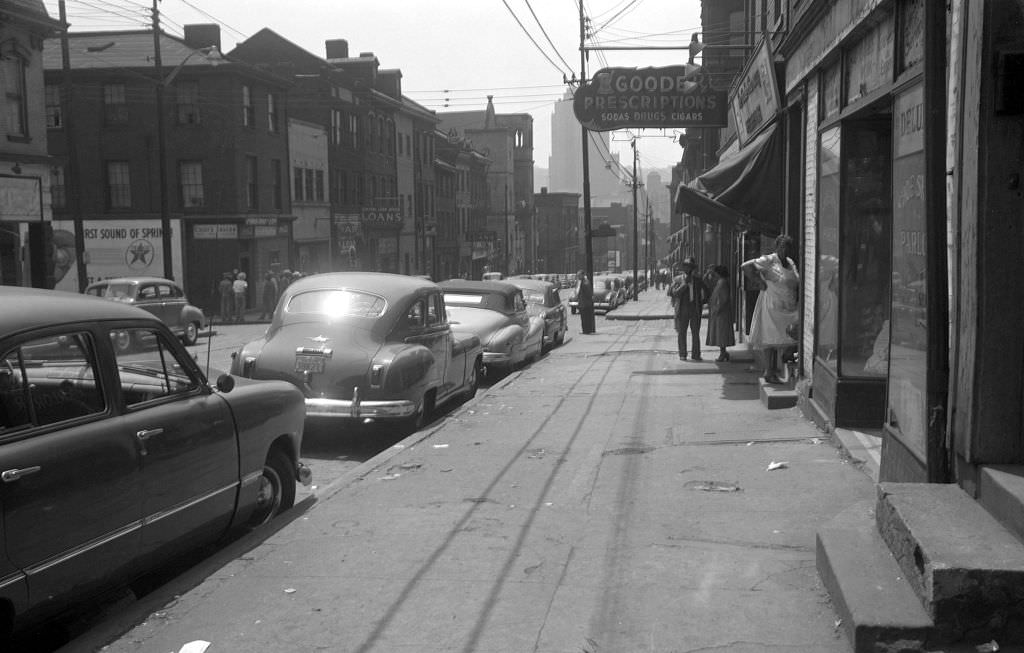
161,147
636,245
74,185
586,312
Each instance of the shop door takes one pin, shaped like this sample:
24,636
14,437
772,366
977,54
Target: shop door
908,453
207,261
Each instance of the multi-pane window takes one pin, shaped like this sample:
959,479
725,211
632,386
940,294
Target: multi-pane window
248,110
191,173
187,97
353,130
58,187
271,112
54,113
14,95
319,185
297,187
251,169
119,189
115,106
309,185
275,178
336,122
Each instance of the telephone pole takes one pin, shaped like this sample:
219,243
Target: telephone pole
586,312
161,147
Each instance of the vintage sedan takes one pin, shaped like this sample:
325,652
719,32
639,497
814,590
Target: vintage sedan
607,293
496,312
542,299
365,347
113,462
161,297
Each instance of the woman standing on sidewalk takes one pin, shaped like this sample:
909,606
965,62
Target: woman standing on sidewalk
776,307
720,315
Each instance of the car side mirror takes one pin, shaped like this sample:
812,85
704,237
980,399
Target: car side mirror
225,383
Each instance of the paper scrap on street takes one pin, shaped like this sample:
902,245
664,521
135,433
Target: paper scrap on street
777,465
198,646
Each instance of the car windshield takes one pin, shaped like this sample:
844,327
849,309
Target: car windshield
534,296
338,303
124,292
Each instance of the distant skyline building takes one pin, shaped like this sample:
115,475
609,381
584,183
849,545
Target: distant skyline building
565,165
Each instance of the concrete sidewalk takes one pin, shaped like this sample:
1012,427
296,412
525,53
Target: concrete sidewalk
608,498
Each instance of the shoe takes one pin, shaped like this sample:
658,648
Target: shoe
697,358
682,357
722,358
773,379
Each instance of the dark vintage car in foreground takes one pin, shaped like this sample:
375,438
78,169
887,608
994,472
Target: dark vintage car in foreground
496,312
113,462
161,297
365,346
542,299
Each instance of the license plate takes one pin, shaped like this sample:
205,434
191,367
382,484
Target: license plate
309,363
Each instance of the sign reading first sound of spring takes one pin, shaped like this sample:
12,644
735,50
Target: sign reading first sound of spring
673,96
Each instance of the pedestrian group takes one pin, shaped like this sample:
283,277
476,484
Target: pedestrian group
233,290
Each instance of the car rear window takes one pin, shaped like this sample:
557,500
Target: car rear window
338,303
463,300
120,291
534,296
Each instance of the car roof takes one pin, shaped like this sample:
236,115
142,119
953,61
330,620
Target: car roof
38,308
506,288
532,284
132,280
391,287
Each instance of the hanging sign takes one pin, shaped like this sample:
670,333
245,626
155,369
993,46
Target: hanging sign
672,96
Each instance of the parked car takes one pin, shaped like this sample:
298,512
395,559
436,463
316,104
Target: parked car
365,347
542,299
607,293
496,312
113,461
161,297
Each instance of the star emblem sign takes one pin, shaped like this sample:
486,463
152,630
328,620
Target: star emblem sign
139,254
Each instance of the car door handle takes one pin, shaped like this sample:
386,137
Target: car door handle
11,475
146,434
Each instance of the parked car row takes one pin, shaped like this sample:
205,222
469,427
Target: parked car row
609,291
117,454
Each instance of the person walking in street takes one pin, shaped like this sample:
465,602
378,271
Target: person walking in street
720,314
227,297
585,301
269,296
776,308
240,287
689,294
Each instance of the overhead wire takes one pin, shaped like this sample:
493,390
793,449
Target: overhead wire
532,40
545,32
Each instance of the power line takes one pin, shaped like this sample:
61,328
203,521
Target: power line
529,36
545,32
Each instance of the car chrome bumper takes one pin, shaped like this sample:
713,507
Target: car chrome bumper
496,358
321,407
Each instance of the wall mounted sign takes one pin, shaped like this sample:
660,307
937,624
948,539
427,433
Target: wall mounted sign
755,100
672,96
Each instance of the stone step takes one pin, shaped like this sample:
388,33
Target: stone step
1001,492
877,608
966,567
777,396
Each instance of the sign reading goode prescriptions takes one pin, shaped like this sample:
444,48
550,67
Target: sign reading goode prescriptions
673,96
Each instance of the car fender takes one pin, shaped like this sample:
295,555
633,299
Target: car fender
250,349
192,314
406,366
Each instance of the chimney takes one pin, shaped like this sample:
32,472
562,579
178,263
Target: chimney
337,49
202,35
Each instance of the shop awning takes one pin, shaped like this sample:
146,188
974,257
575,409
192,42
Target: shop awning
745,190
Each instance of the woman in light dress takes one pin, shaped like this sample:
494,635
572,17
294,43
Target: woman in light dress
776,307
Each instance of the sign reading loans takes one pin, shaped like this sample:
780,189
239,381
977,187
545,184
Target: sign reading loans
673,96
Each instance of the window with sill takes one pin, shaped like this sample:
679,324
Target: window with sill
248,110
115,105
54,110
15,96
191,175
119,190
187,101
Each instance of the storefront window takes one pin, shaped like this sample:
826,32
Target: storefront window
827,311
909,348
865,245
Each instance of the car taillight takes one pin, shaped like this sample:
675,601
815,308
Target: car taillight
377,375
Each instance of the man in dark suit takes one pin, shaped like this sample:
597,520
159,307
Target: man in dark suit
689,294
585,302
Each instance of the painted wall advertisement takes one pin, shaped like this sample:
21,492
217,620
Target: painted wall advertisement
114,248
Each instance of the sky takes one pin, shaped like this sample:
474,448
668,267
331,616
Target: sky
452,53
